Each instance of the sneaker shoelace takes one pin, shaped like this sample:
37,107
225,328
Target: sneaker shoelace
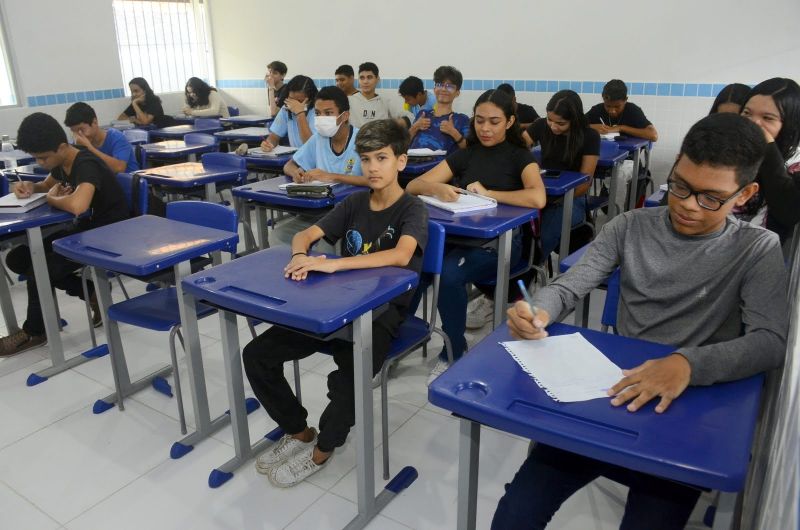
298,466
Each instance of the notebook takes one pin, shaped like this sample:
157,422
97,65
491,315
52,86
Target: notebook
567,367
467,202
11,204
277,151
424,151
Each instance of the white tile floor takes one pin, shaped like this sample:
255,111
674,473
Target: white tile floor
62,467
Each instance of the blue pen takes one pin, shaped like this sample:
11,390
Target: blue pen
527,297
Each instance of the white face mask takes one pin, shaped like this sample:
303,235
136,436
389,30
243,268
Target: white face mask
326,125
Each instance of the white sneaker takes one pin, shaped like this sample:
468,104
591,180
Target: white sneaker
438,369
479,312
281,451
296,468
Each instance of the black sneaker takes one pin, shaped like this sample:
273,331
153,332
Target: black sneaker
19,342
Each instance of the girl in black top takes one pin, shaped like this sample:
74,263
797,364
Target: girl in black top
496,163
568,144
145,107
774,105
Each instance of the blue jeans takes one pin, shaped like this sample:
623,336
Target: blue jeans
550,476
462,265
551,223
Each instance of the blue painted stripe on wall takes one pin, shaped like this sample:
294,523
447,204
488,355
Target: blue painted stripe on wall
72,97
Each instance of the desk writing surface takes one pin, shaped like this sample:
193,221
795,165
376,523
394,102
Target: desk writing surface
260,132
565,181
143,245
269,192
704,437
255,285
41,216
484,224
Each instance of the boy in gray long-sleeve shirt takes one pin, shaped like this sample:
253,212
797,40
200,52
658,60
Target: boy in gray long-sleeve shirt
690,276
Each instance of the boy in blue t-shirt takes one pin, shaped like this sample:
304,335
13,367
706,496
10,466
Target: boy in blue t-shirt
109,145
441,128
295,119
415,96
328,156
390,228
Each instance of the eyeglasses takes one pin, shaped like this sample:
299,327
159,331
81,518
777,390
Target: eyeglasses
704,200
446,86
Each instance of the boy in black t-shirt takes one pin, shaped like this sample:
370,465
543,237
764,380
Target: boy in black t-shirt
616,114
78,181
381,227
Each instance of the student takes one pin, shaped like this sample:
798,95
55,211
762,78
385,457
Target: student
392,229
276,88
145,107
774,105
495,163
109,145
345,79
616,115
730,99
441,128
367,105
568,144
415,96
203,100
695,248
526,114
78,181
329,156
296,117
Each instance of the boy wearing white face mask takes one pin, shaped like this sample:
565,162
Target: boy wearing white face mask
328,156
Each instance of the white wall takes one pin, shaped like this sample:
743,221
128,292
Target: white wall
681,41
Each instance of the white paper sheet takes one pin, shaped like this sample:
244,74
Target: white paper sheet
568,367
277,151
424,151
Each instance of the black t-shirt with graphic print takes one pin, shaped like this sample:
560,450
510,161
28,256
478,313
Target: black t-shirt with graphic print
366,231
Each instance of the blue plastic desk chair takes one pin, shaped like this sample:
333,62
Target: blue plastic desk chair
233,111
158,310
199,139
202,123
609,317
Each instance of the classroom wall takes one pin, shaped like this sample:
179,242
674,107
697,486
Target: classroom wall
675,55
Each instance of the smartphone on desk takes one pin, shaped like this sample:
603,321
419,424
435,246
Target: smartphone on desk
551,173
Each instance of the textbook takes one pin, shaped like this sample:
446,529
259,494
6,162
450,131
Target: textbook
567,367
277,151
424,151
11,204
467,202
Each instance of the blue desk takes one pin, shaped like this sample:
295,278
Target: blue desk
141,246
194,175
183,119
267,195
20,157
612,156
497,223
32,172
174,149
350,297
703,439
655,199
245,134
179,131
564,186
31,223
268,164
247,120
634,146
416,166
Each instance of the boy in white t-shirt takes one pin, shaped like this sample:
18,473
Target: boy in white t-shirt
368,105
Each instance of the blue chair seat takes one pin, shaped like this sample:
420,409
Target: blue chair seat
156,310
412,332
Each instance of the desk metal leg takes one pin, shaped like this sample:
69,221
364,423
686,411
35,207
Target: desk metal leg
243,209
613,208
503,267
566,224
469,442
9,316
633,187
261,220
723,517
211,192
51,320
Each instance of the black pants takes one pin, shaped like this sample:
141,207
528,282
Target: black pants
62,276
550,476
263,363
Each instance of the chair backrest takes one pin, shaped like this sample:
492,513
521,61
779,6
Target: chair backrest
199,139
224,160
136,136
609,316
208,214
207,122
608,148
127,182
233,111
434,251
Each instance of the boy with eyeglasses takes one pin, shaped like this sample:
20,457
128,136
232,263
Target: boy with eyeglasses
691,276
441,128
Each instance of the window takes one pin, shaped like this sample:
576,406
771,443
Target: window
8,95
164,41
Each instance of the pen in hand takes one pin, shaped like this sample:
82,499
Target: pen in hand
528,299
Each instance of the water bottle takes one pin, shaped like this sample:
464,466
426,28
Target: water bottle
9,161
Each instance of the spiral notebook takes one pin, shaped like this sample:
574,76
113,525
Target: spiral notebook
567,367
